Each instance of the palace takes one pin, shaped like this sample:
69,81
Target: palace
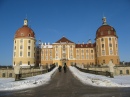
65,51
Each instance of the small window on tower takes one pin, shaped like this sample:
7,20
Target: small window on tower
102,45
29,47
109,39
29,41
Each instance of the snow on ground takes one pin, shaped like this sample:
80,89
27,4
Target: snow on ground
29,82
99,80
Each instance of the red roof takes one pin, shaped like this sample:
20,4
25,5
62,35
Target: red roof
105,30
84,45
64,39
24,31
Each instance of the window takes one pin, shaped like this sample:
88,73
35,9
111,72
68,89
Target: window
101,33
50,57
102,39
29,47
21,40
82,56
46,57
82,51
91,51
22,34
111,52
127,71
110,45
10,74
87,57
28,62
3,74
29,35
15,41
103,61
21,47
28,53
121,72
109,32
29,41
20,53
109,39
92,57
102,45
14,63
103,52
15,47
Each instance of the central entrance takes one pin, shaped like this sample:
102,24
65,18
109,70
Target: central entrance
64,62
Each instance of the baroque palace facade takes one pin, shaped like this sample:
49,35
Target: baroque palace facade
64,51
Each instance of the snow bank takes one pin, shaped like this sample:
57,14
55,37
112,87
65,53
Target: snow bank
99,80
29,82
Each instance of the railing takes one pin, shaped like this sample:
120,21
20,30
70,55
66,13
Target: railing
23,75
105,73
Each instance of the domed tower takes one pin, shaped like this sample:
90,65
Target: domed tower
24,46
106,44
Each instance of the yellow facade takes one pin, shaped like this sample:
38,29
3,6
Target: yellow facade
65,51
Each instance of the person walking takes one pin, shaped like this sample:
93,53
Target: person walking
60,68
65,68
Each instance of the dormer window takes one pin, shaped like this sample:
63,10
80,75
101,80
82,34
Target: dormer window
22,34
29,35
101,33
109,32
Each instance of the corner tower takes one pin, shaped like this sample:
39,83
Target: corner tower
106,44
24,46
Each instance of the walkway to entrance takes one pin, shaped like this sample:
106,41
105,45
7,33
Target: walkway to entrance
66,85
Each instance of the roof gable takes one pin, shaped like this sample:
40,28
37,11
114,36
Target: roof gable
64,40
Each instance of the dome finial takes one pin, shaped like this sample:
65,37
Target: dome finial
25,22
104,21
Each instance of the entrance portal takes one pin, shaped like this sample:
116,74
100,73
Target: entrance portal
63,63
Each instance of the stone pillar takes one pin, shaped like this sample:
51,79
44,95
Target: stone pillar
111,69
17,72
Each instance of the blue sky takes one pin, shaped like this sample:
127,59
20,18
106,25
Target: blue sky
77,20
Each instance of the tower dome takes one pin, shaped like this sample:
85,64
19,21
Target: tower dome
24,31
105,30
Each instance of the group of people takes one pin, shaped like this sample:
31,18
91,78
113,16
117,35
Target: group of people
64,68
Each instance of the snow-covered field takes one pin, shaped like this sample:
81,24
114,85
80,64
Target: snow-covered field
10,84
99,80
